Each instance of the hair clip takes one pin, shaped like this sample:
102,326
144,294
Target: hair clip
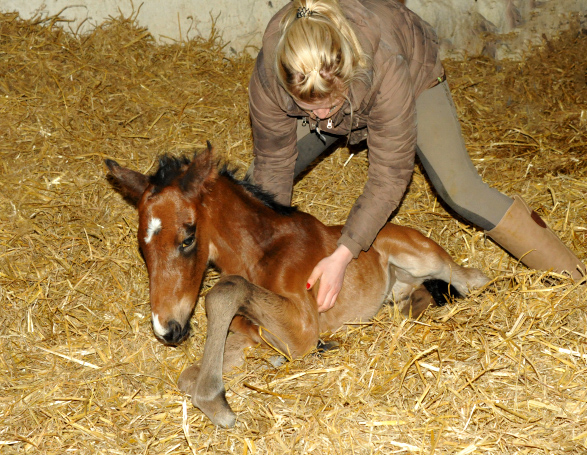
304,11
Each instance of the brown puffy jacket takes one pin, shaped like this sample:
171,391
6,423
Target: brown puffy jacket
403,61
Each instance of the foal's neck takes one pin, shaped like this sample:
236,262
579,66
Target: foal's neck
241,225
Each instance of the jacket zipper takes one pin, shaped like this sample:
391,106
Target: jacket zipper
319,133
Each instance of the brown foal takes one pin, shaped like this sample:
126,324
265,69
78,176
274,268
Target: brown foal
191,214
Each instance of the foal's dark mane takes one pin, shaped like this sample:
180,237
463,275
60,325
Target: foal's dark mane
171,168
265,197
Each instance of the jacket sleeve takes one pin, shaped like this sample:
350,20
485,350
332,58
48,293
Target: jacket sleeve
274,138
391,142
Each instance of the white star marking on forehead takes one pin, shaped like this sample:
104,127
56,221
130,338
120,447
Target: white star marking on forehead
153,228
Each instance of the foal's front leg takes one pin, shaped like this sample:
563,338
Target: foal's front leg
243,334
287,326
234,356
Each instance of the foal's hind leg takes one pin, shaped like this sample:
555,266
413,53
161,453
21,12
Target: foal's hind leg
411,271
290,328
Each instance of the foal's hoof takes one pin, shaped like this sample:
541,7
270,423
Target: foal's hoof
324,346
217,410
224,419
420,300
277,360
187,379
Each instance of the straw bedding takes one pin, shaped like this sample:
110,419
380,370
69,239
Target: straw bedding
503,371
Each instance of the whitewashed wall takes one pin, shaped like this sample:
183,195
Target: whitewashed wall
241,22
462,25
499,28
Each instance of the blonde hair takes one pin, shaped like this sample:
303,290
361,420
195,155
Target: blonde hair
318,55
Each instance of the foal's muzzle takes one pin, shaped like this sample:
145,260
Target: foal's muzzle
176,333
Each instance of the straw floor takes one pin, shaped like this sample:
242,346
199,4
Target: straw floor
503,371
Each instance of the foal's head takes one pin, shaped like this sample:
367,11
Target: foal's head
168,235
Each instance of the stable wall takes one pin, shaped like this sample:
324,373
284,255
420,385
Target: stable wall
499,28
240,22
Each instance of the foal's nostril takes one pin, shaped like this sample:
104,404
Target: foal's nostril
175,332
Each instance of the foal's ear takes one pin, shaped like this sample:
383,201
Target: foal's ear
130,183
201,171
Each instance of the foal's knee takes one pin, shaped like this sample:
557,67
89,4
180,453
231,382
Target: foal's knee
227,295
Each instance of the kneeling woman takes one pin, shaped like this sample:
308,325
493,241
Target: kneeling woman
370,70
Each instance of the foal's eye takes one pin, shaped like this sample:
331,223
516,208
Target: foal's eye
187,242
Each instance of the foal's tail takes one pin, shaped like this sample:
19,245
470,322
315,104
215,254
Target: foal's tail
462,281
441,291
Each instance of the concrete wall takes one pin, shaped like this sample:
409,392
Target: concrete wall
500,28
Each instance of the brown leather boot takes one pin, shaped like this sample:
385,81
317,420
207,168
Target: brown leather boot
526,236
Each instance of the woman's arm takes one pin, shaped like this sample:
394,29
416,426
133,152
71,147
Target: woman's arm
274,137
391,145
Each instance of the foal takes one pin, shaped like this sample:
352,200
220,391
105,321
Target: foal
191,215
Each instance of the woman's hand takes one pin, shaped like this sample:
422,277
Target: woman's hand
330,271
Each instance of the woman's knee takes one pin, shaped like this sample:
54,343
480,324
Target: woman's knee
477,202
470,197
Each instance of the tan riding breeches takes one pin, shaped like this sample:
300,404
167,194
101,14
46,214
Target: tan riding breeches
442,151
